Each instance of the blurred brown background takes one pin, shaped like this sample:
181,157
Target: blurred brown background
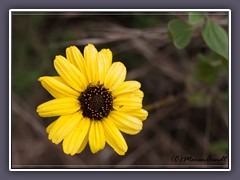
187,101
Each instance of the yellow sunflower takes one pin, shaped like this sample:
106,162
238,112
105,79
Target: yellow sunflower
93,100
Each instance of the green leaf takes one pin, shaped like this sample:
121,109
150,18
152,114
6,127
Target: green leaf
216,38
208,69
195,17
181,32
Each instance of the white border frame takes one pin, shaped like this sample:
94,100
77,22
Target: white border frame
114,10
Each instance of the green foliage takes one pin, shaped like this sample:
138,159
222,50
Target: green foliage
27,62
181,32
143,21
23,81
223,97
37,20
195,17
213,34
200,99
220,146
209,69
216,38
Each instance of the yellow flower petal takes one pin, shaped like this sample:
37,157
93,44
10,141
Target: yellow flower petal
90,56
113,137
104,61
57,87
125,123
96,136
125,98
127,102
108,54
140,114
83,145
58,107
125,87
138,93
50,126
115,76
63,126
76,58
70,74
76,140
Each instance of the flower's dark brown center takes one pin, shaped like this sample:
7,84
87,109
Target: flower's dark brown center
96,102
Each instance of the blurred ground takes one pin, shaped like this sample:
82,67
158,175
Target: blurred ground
187,116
